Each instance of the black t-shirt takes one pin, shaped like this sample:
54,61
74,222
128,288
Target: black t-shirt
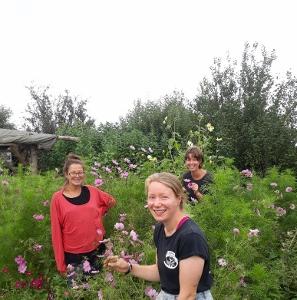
187,241
202,183
83,198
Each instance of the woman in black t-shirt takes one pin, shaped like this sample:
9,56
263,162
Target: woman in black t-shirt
196,180
182,261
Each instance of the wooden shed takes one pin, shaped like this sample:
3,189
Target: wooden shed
24,145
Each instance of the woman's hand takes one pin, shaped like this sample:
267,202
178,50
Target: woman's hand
195,187
114,263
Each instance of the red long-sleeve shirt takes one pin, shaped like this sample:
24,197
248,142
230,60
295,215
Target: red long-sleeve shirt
78,228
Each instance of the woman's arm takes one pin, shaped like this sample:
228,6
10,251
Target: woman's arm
147,272
57,236
190,271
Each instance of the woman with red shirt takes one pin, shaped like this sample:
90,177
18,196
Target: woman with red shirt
77,212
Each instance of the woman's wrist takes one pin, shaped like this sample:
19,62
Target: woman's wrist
129,268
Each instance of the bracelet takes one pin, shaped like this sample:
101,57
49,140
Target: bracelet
129,269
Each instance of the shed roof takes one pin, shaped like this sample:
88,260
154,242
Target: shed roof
42,140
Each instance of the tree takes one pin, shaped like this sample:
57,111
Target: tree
46,114
248,108
5,115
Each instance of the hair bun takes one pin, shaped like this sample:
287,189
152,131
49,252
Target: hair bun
73,156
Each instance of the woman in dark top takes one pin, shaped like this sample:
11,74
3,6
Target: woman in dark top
182,260
196,180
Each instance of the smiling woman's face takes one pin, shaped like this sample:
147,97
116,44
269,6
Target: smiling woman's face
162,202
75,175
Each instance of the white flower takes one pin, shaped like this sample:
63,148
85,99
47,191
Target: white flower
190,144
209,127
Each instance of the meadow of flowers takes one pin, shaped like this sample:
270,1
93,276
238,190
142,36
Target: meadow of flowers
250,223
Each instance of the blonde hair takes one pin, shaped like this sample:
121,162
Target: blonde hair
169,180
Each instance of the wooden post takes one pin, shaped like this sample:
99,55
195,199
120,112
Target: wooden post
33,159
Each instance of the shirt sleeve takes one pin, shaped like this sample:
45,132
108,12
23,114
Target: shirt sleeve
57,241
193,244
106,201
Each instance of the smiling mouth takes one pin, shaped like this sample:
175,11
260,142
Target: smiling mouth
159,212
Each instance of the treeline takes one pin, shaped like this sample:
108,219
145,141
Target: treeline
253,113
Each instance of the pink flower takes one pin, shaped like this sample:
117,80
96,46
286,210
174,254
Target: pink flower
125,174
109,278
20,284
107,170
122,217
222,262
133,235
38,217
127,160
280,211
187,180
22,264
45,203
37,247
115,162
253,232
100,295
36,283
119,226
70,268
98,182
86,266
247,173
289,189
151,293
132,166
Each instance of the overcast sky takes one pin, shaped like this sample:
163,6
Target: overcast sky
114,52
